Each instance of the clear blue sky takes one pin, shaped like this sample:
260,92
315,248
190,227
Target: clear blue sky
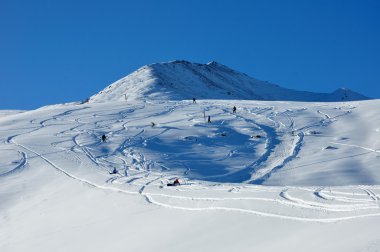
57,51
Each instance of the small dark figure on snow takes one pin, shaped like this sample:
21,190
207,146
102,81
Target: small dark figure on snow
209,119
175,183
234,110
194,101
114,171
104,138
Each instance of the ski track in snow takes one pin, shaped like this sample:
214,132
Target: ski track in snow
80,141
356,146
21,164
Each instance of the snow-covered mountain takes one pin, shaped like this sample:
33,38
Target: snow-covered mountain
270,176
179,80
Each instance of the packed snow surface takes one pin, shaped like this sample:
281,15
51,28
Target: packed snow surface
274,176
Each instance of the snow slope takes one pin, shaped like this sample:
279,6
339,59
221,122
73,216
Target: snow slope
4,113
178,80
275,176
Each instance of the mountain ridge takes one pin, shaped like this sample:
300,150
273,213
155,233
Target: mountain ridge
180,79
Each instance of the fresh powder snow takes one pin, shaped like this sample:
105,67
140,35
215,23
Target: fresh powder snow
289,171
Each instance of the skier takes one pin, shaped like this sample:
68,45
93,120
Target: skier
175,183
234,110
104,138
209,119
194,100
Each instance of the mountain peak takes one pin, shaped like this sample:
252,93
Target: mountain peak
215,64
218,65
181,79
346,94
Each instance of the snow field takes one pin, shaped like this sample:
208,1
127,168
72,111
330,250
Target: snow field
286,164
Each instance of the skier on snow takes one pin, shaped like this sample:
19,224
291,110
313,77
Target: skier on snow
104,138
175,183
